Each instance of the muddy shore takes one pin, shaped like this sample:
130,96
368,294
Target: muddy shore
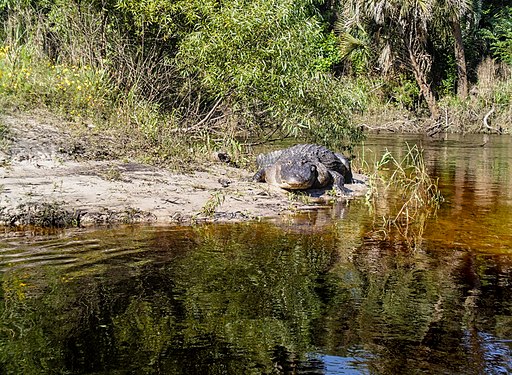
42,182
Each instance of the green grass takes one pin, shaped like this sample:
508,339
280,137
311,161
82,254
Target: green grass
402,194
30,81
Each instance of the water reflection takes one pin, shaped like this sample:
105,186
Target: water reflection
252,298
315,293
475,176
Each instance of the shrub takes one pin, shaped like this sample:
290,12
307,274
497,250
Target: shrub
216,69
499,34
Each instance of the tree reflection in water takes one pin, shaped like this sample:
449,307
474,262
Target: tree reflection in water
322,292
253,298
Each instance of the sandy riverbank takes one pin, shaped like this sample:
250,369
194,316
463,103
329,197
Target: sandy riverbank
39,175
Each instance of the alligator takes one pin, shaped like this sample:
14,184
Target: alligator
303,167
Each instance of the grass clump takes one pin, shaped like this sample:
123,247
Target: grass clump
71,90
402,193
212,204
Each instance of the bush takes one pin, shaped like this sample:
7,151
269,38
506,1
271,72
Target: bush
499,34
215,69
71,90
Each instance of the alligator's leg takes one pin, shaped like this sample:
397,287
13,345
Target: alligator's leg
337,183
259,176
348,169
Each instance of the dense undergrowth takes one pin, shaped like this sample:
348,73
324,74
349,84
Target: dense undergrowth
176,80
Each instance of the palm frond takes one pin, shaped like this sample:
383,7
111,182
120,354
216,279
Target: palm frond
386,58
349,44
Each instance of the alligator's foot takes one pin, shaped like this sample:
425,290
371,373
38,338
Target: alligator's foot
259,176
337,185
341,191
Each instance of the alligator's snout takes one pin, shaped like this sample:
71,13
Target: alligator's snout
297,176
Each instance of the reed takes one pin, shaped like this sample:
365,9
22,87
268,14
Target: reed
402,193
212,204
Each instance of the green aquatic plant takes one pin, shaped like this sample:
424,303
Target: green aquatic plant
211,205
411,194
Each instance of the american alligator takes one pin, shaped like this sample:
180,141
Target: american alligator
302,167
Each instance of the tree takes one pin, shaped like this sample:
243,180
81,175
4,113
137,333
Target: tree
400,30
453,11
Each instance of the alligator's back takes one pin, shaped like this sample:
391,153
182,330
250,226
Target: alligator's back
318,155
308,152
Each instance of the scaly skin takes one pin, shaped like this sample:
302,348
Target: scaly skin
302,167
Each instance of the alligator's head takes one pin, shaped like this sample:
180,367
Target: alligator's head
295,174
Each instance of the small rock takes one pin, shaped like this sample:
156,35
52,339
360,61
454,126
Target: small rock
224,182
221,156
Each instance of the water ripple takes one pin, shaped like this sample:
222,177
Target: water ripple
61,252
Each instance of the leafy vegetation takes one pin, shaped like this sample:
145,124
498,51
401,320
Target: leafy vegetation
411,196
498,33
182,75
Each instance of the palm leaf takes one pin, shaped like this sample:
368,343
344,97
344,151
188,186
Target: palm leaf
349,44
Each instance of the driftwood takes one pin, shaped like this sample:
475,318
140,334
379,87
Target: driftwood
486,122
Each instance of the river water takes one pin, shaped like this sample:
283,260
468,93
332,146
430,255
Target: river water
329,291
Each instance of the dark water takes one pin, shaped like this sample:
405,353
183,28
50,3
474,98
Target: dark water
325,292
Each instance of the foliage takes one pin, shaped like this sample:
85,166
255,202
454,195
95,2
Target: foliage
357,50
215,69
448,84
180,75
330,53
281,83
499,34
404,92
417,194
72,90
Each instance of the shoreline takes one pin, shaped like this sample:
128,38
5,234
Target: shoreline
41,184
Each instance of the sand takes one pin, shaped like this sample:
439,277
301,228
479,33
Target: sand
39,173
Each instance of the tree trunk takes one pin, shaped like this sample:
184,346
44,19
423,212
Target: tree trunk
460,60
420,74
